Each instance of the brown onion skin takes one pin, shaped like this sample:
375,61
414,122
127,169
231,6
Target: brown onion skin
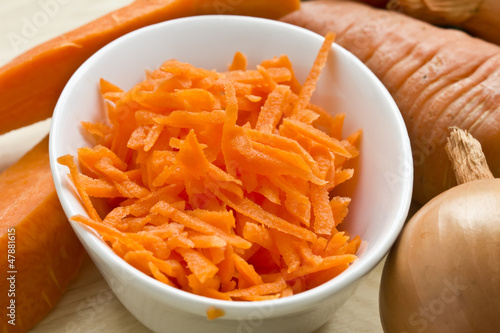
443,273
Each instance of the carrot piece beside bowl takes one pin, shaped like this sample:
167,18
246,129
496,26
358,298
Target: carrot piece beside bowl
40,251
31,83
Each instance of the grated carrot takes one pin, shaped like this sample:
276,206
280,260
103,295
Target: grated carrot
219,183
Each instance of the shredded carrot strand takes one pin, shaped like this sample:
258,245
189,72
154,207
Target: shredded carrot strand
239,62
313,77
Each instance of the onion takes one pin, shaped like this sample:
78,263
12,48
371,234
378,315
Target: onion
443,273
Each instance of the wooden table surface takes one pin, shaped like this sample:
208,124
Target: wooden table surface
89,305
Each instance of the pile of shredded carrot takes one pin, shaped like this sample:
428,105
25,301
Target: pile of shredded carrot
219,183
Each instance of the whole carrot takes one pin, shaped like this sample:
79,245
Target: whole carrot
477,17
31,83
438,78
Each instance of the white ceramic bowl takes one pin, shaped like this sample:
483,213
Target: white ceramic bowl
380,201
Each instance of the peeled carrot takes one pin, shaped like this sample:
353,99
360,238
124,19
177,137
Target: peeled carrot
40,251
31,83
439,78
218,200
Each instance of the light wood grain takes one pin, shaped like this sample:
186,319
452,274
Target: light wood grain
89,305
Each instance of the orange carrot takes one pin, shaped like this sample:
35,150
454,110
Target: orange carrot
31,83
218,199
418,64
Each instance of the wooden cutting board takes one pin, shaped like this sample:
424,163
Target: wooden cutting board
89,305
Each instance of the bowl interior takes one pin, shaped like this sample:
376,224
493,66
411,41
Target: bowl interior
382,194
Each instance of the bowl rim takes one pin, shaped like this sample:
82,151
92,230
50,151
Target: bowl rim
191,302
